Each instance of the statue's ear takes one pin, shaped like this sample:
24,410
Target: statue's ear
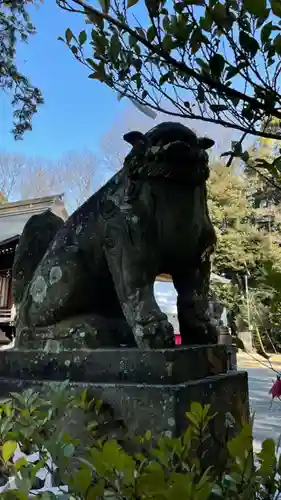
205,142
133,137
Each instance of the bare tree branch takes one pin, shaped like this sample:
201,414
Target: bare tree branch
11,167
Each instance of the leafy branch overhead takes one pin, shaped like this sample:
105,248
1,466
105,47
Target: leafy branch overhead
218,61
15,26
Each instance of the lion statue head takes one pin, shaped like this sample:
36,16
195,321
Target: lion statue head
169,150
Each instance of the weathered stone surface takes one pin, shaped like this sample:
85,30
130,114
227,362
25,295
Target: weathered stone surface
152,406
4,340
38,233
80,332
135,366
150,218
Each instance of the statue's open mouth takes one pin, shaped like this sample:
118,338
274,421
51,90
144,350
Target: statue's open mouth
177,153
174,160
169,151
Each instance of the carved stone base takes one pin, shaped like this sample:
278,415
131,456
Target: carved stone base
79,332
146,390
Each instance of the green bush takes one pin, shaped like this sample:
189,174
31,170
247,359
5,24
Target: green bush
169,469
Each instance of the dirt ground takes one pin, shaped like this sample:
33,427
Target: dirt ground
254,360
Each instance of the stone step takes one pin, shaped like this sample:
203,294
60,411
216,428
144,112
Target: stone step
170,366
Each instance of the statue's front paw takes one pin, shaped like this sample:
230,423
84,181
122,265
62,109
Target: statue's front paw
155,335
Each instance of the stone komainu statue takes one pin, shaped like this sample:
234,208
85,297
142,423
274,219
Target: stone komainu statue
150,218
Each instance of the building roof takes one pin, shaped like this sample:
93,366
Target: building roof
14,215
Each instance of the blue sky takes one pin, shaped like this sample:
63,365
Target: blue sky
77,111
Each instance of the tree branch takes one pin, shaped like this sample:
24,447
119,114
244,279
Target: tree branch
201,78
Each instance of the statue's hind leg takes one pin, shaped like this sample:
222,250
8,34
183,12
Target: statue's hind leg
56,290
63,304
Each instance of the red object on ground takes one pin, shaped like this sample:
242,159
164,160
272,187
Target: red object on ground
178,339
275,390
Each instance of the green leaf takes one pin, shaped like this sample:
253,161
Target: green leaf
221,17
217,63
255,7
166,23
114,48
94,76
81,479
192,418
94,66
8,449
240,446
93,18
179,7
20,495
68,450
166,77
131,3
82,37
105,5
231,72
205,411
203,65
7,407
151,33
248,43
263,18
267,458
277,44
68,35
196,409
147,435
21,462
197,38
206,21
276,7
266,32
167,43
48,495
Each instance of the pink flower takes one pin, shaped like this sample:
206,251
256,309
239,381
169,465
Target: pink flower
275,390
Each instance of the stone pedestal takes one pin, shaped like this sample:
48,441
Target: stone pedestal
148,390
4,339
225,338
